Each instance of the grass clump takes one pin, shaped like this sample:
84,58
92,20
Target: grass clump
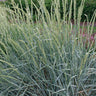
46,58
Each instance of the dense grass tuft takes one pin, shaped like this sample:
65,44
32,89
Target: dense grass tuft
46,57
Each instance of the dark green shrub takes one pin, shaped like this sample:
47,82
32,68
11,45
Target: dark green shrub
23,3
89,7
20,3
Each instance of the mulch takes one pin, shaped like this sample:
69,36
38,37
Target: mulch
85,23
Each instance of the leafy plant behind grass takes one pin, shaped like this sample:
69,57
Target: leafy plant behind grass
47,58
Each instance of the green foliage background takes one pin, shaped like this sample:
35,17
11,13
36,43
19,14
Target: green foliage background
89,7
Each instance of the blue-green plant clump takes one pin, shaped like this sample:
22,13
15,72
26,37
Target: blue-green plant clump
48,57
